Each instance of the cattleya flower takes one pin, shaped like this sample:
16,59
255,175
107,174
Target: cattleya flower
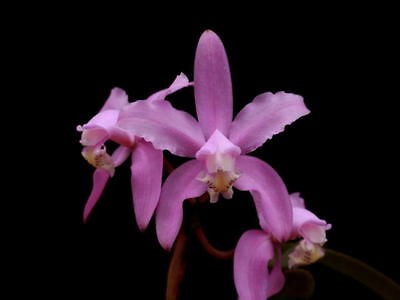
146,160
311,229
218,144
256,249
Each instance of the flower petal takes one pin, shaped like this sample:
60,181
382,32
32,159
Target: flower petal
97,130
146,181
218,152
117,99
121,136
180,82
297,200
100,178
250,267
276,277
309,226
182,184
266,115
164,126
269,193
212,85
217,143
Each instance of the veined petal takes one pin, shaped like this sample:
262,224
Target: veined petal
266,115
309,226
212,85
101,177
117,99
180,82
164,126
250,267
269,193
146,181
182,184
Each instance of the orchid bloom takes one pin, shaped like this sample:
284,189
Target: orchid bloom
256,248
312,230
218,144
146,160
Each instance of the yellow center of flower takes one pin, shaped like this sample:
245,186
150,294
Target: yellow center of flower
220,182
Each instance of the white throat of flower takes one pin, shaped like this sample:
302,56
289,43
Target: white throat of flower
220,182
305,253
219,155
98,157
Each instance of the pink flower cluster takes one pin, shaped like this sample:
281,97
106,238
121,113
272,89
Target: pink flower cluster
218,146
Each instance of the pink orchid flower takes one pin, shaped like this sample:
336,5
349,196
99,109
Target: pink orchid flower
312,230
147,161
218,144
256,248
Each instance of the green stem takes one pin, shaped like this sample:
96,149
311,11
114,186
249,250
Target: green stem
177,267
363,273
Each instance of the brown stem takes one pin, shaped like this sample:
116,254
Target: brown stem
363,273
177,267
210,249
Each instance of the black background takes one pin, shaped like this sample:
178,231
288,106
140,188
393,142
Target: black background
340,157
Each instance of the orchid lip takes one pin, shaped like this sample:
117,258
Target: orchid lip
99,158
220,182
305,253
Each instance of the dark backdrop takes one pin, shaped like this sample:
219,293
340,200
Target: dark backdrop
338,157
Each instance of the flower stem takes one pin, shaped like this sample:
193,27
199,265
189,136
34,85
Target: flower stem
177,267
363,273
204,242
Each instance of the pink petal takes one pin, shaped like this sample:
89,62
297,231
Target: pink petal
276,276
117,99
104,119
266,115
93,136
217,143
250,267
97,130
121,136
212,85
269,193
180,82
100,178
218,153
309,226
182,184
146,181
164,126
120,155
297,200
